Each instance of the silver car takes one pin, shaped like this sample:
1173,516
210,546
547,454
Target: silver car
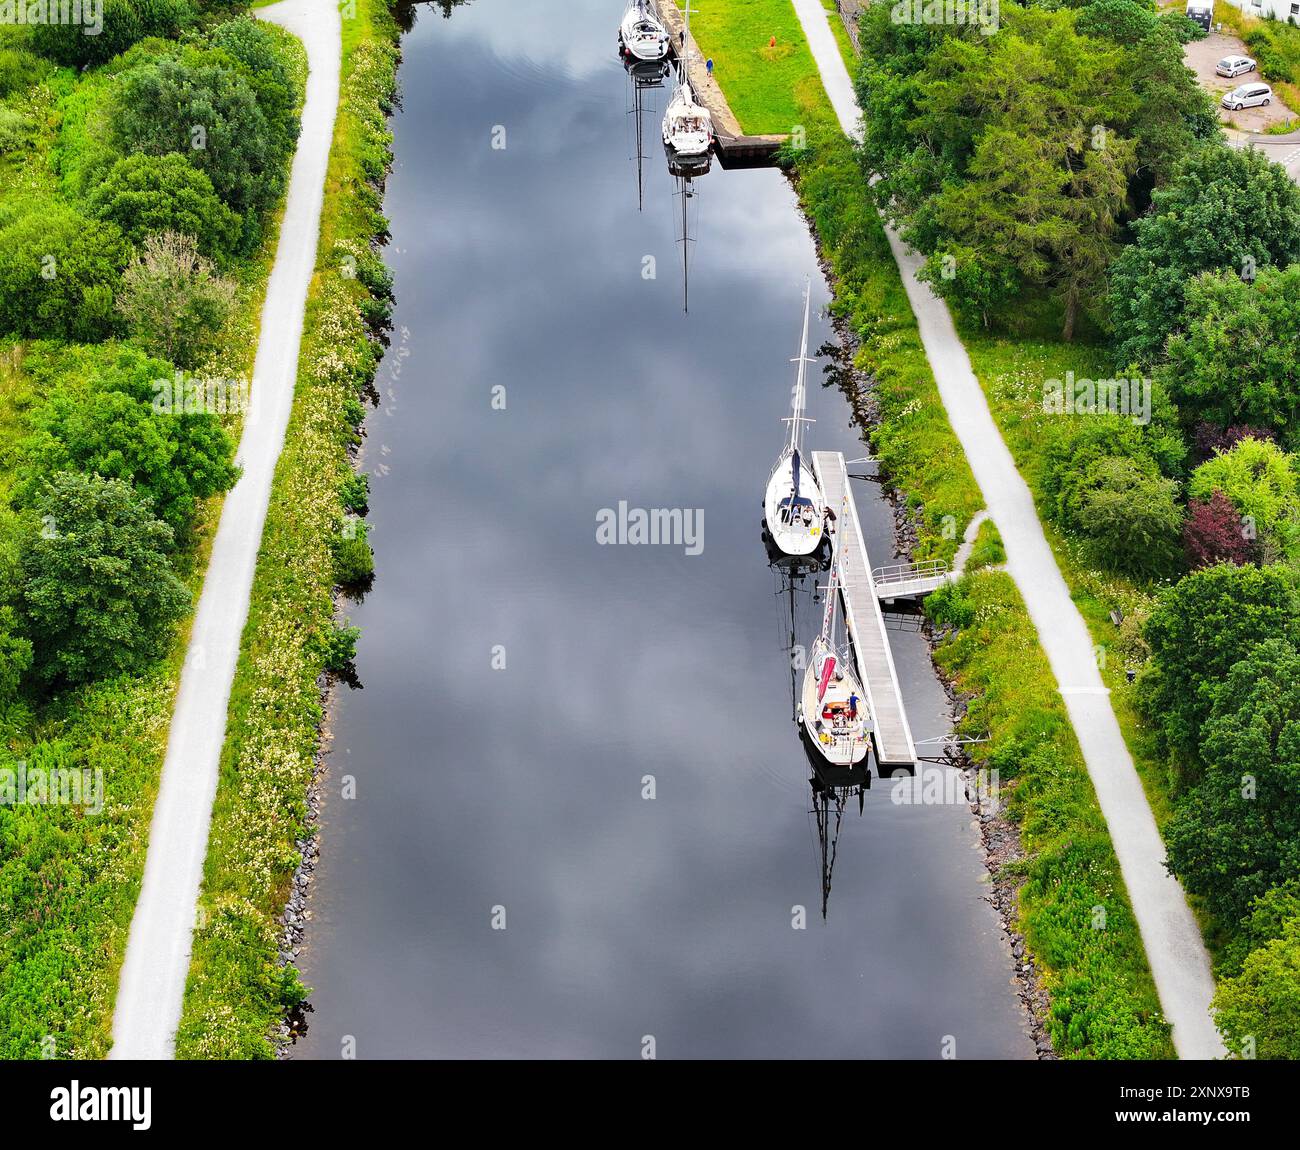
1231,66
1248,96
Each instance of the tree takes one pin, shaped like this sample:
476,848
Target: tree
1258,1011
98,415
124,22
173,300
1047,176
1226,208
15,654
58,271
1199,629
199,103
144,195
1237,359
1237,833
99,592
1214,533
1130,513
1259,480
253,44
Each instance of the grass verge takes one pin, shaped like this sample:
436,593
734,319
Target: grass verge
765,83
239,984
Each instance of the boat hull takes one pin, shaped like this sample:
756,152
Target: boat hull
793,532
842,739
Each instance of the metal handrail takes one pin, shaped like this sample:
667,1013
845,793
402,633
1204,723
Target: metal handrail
906,572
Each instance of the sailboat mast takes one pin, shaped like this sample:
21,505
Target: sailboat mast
800,385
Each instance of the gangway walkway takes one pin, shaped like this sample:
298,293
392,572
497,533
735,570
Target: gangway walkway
894,748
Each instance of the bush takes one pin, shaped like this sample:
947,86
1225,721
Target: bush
354,562
1224,207
339,647
1258,479
173,300
1235,361
20,70
144,195
1214,533
125,22
58,273
97,415
1130,514
1200,628
354,493
202,105
1237,834
99,592
15,130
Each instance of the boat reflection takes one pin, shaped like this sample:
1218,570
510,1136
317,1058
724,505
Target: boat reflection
832,786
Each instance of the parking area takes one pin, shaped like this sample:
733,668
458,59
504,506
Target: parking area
1203,55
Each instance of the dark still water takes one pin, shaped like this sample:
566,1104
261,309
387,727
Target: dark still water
484,789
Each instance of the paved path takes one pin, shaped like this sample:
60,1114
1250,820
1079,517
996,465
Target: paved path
1175,949
152,985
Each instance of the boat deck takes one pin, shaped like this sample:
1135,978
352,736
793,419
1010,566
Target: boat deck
893,736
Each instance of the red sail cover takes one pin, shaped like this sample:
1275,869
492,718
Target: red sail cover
828,669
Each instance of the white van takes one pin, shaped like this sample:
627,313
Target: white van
1247,96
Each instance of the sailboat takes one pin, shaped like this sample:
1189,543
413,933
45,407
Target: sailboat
832,709
793,508
641,35
688,126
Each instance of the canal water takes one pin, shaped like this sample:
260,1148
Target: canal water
500,884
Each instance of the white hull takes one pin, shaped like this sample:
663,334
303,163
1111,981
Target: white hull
842,740
641,35
795,524
688,127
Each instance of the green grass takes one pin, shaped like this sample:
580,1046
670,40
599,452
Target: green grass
763,84
237,990
1104,1003
842,37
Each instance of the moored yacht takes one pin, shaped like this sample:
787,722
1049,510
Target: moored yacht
641,35
832,708
793,508
688,125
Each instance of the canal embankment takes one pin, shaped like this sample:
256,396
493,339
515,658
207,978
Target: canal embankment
252,907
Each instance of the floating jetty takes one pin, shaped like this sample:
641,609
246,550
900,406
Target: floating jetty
862,597
734,149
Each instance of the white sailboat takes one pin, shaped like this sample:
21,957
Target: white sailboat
688,126
793,506
831,708
642,35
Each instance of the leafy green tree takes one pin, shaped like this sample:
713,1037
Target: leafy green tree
144,195
1237,358
253,43
15,654
125,22
1200,628
1130,513
173,300
58,272
200,104
1258,1011
99,592
1259,480
1226,208
98,415
1236,834
1269,915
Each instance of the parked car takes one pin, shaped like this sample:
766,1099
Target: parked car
1234,66
1247,96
